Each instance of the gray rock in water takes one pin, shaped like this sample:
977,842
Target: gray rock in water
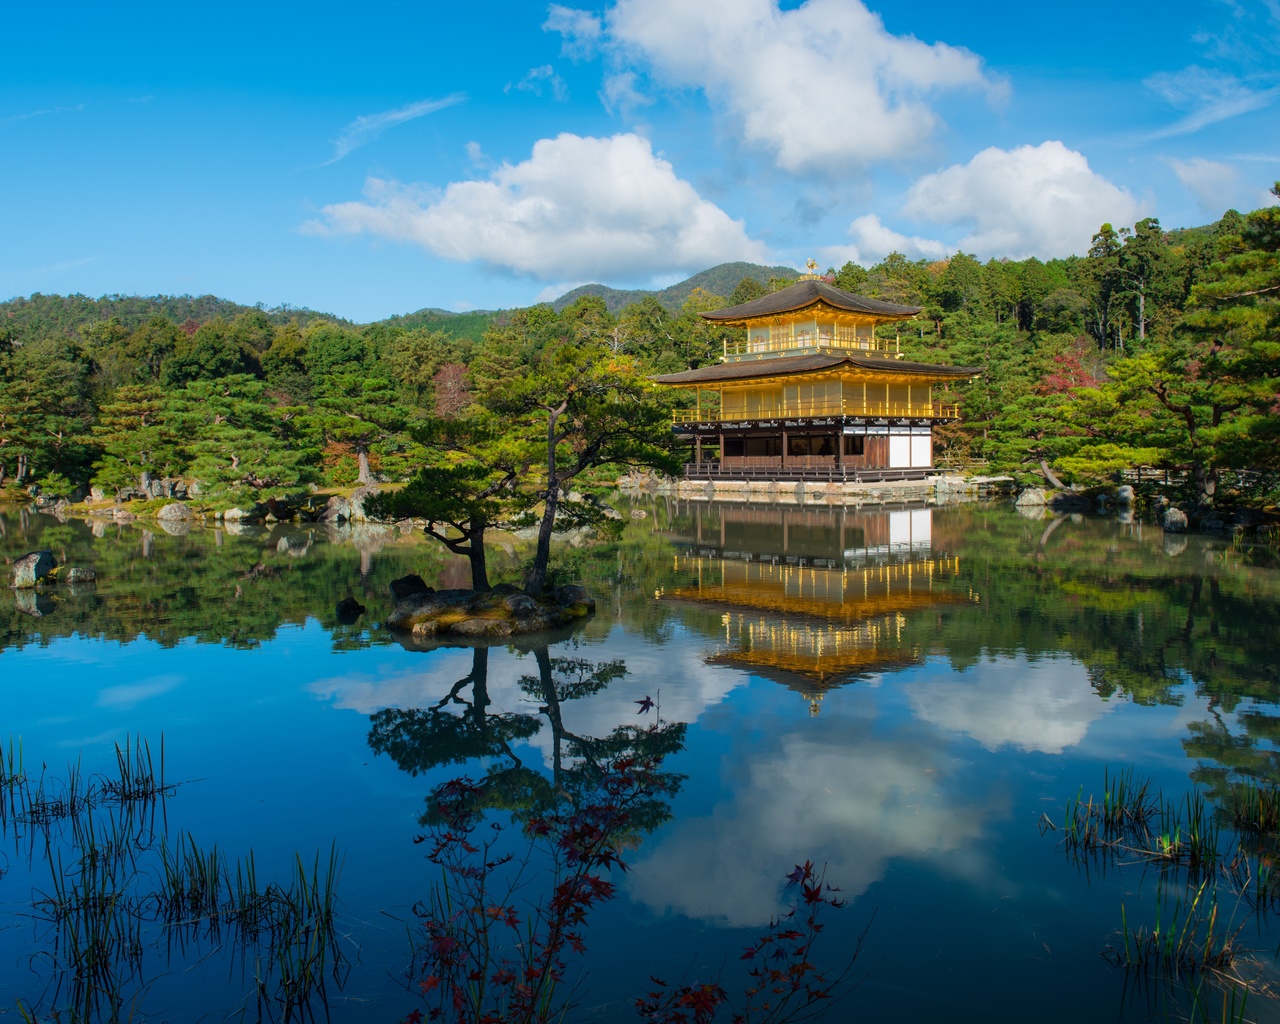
175,512
639,513
1124,495
31,569
349,609
97,494
78,574
1174,521
1031,496
407,586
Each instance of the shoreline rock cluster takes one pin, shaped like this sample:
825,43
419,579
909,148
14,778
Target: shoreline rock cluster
503,611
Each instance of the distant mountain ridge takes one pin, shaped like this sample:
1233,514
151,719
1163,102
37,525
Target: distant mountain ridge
25,318
719,280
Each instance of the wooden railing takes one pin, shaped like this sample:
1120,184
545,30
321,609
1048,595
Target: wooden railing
760,348
800,410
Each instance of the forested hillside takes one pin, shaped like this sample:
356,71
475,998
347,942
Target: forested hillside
1155,348
719,280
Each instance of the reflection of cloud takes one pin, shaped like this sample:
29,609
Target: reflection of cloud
835,793
688,686
128,695
1043,705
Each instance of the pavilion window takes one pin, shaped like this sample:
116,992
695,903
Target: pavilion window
761,447
810,444
899,398
855,444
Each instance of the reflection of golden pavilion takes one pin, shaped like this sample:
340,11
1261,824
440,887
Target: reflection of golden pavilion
835,588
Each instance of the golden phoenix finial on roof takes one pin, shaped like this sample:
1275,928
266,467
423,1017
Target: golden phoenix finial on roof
812,264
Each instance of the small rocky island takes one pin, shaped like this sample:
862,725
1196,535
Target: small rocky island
503,611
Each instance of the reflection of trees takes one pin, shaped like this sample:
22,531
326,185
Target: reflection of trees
463,725
213,585
419,739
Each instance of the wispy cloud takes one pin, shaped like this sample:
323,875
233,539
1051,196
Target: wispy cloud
41,113
537,78
367,127
1208,96
57,268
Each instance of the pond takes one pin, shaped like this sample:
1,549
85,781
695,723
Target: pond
907,698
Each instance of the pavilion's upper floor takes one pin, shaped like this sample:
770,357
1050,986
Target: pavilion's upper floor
808,318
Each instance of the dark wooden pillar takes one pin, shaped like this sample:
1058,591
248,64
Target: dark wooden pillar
784,449
721,449
697,449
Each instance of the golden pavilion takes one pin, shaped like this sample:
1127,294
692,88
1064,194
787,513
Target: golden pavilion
810,391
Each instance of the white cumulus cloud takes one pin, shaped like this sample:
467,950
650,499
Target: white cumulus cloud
873,240
578,208
1040,201
822,86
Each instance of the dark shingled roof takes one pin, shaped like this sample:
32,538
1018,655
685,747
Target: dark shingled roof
808,364
807,293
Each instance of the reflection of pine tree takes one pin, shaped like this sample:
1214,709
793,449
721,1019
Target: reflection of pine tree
419,740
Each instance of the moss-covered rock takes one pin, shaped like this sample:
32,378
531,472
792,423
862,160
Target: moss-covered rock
31,570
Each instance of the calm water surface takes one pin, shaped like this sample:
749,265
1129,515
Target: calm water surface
901,695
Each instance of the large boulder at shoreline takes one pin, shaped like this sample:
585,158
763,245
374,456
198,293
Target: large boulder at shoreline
501,612
356,504
1174,521
31,569
78,574
175,512
1031,496
1124,495
338,510
252,514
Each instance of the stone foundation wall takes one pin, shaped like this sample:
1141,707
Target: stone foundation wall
937,490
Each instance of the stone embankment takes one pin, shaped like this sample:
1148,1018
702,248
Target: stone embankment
940,490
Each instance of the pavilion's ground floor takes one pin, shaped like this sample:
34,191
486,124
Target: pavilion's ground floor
834,448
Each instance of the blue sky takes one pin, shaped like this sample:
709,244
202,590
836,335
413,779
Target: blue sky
400,156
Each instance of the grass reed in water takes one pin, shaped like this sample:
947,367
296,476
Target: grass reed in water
119,892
